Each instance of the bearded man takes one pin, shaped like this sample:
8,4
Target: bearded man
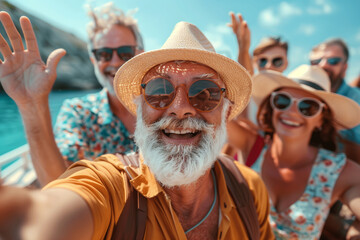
183,95
332,55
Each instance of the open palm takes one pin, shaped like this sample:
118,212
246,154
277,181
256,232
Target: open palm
23,75
241,30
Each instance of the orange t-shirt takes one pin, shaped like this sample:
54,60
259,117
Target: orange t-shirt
103,184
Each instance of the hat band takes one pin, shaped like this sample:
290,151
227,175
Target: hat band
310,84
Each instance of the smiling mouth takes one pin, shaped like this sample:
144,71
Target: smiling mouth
110,72
290,123
180,134
110,75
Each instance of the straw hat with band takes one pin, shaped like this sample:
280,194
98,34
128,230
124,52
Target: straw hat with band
313,79
188,43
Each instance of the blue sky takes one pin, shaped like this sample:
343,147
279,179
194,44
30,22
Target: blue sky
302,23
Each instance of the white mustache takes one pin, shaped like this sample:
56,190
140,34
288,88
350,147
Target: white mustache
187,123
111,69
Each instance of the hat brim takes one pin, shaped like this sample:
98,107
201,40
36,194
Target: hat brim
236,79
344,109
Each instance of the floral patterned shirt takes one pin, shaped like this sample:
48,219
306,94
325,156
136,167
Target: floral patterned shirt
86,128
305,218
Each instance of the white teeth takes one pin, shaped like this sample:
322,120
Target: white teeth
291,123
184,131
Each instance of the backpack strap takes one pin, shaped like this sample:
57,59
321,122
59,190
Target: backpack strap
132,220
255,151
130,160
242,196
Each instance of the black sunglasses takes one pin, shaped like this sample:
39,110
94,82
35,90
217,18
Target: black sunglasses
204,95
105,54
276,62
331,61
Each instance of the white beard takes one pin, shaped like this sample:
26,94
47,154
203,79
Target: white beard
177,165
104,81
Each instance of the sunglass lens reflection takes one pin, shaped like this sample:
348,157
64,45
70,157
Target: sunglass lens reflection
308,107
204,95
159,93
262,62
277,62
126,53
103,54
333,61
281,101
315,61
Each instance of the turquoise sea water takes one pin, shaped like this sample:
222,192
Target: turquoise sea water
12,133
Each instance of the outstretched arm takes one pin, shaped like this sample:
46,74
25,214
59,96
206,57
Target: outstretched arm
28,81
241,137
243,36
352,149
49,214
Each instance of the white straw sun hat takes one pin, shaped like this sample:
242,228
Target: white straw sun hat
313,79
188,43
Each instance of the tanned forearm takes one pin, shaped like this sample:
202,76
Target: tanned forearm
352,151
244,59
348,184
55,214
46,157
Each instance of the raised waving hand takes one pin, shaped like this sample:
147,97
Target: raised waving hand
243,37
28,81
241,30
23,75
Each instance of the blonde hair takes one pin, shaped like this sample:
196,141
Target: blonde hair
107,15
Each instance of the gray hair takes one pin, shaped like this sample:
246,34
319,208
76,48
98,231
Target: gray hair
107,15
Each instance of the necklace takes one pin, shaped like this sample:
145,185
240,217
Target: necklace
212,206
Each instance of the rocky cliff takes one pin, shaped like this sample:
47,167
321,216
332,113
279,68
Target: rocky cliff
75,70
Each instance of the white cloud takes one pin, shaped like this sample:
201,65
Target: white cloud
357,36
286,9
267,18
307,29
223,29
216,35
320,7
272,17
354,51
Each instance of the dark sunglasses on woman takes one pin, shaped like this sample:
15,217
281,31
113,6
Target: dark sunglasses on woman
203,95
105,54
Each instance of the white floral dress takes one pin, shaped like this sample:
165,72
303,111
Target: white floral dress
305,218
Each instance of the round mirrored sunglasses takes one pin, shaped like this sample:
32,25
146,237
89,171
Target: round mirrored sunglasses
276,62
203,95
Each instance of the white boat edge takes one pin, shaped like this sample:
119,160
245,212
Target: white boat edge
19,170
